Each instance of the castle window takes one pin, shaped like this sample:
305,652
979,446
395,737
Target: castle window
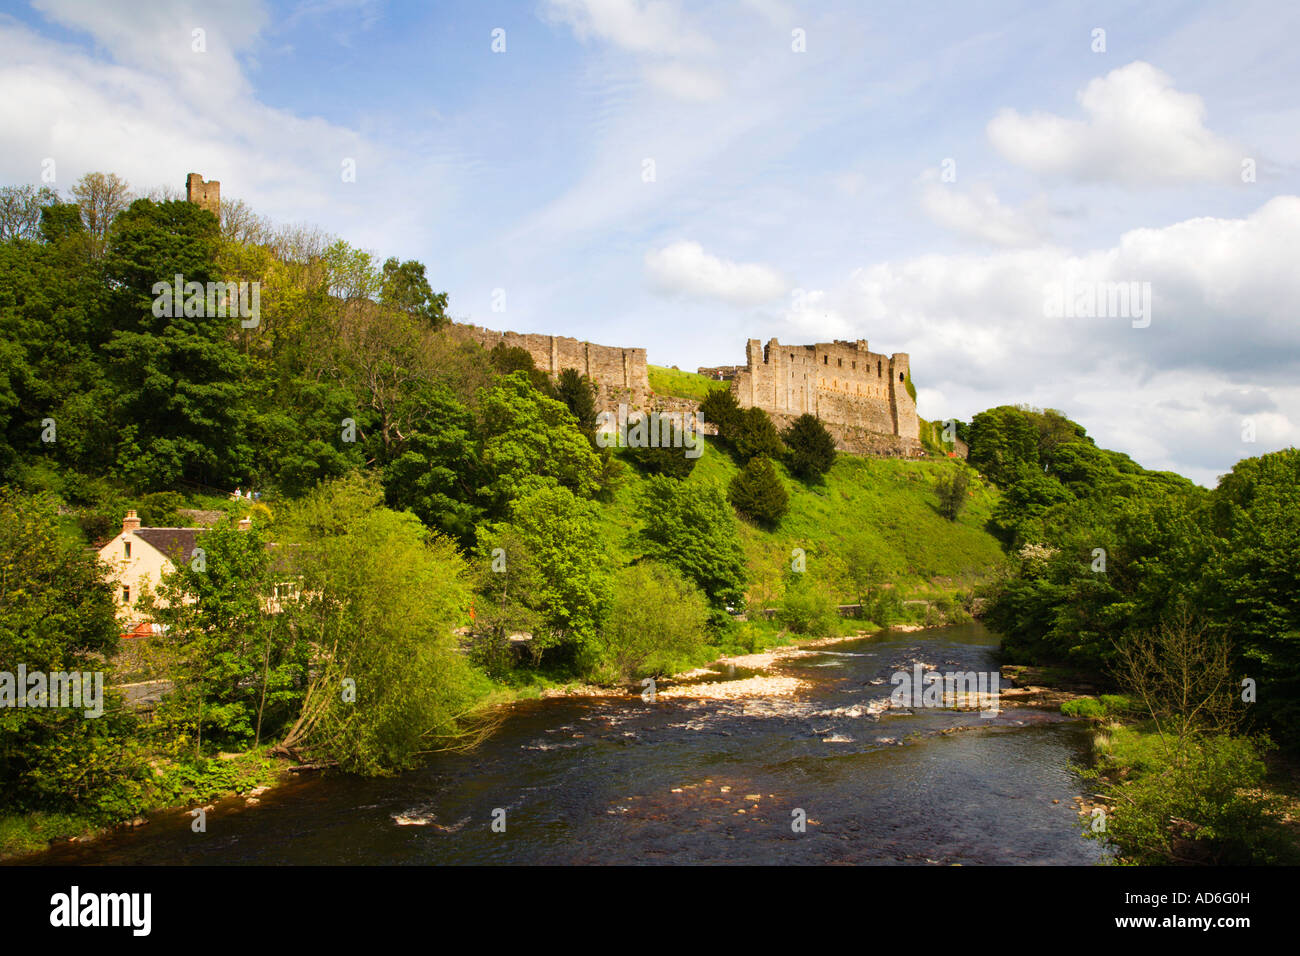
826,360
900,376
855,364
877,369
840,362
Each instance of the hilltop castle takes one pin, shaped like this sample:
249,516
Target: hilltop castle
842,383
204,195
861,396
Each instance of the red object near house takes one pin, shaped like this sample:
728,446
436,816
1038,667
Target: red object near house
142,629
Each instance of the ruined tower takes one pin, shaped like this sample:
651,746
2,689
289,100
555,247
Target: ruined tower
204,195
842,383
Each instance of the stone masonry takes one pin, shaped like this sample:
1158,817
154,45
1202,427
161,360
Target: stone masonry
842,383
204,195
620,374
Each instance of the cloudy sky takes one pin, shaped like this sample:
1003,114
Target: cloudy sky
683,176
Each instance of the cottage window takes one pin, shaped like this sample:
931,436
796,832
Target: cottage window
127,546
126,595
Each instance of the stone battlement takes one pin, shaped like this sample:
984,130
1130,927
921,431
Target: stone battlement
620,374
840,382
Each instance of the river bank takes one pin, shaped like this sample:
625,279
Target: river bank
776,681
626,779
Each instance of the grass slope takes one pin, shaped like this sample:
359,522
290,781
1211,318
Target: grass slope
888,504
673,383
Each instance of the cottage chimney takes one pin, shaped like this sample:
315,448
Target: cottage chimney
245,524
131,522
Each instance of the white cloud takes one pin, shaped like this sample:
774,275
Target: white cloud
164,41
640,26
1139,130
654,29
685,82
684,268
979,214
127,116
1222,344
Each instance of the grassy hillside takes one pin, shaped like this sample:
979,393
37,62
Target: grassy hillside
677,384
888,504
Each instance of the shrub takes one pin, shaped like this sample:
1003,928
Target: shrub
1088,707
805,609
758,494
951,489
1195,802
671,462
754,436
655,621
811,447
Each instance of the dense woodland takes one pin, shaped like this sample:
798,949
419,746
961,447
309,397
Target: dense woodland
420,500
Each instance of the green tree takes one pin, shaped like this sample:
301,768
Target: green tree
528,442
1252,583
57,615
690,526
507,583
578,393
655,622
567,567
811,447
1003,444
508,359
183,384
20,210
403,285
380,597
951,489
237,667
866,575
806,608
437,473
721,408
754,436
758,494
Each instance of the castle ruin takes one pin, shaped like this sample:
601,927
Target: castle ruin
842,383
204,195
620,374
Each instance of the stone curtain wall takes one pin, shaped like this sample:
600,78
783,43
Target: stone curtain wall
620,374
843,383
858,440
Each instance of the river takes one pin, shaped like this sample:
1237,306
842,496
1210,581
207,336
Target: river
688,780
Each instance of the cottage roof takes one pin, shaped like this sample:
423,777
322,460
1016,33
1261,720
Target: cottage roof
176,543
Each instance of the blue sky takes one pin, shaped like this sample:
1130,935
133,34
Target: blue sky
797,194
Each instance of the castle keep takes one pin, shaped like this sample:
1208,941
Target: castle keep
204,195
842,383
